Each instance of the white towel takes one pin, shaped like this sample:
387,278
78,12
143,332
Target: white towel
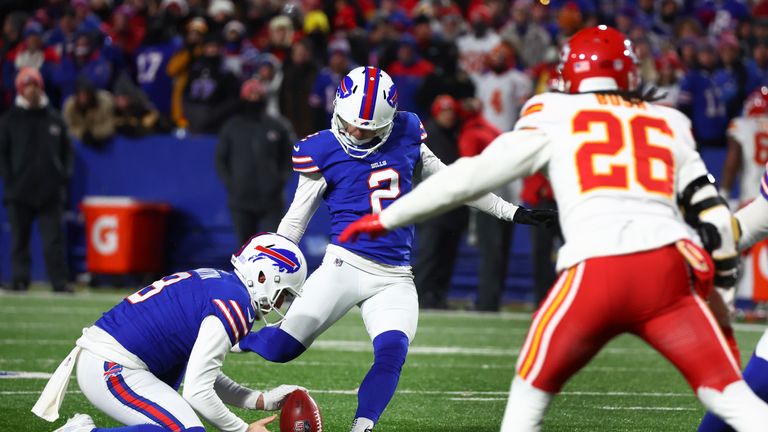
47,406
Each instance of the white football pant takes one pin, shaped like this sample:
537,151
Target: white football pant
386,302
133,396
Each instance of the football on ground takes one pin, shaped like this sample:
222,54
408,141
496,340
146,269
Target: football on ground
300,413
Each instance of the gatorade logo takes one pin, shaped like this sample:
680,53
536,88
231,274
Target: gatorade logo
104,234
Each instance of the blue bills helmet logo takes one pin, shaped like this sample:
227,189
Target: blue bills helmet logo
392,96
285,260
345,87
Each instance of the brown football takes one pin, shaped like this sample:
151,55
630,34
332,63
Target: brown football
300,413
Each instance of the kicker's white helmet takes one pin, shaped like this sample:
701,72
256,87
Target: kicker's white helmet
367,99
269,265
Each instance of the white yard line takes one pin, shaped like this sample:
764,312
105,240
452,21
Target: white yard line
650,408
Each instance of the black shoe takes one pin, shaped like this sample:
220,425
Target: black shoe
19,286
64,289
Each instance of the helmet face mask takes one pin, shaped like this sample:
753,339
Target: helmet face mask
365,99
271,267
598,59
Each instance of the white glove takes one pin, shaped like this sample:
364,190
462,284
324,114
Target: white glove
274,399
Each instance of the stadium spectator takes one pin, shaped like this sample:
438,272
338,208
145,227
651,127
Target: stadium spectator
439,237
62,37
135,116
670,71
731,76
152,59
253,160
701,100
36,161
30,53
298,77
408,72
537,193
646,62
86,20
85,62
269,71
327,81
89,114
211,93
281,37
178,67
494,237
501,89
480,41
220,12
528,37
451,25
446,78
125,32
240,55
757,66
429,46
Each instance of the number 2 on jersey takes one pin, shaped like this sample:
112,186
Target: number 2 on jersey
390,192
157,286
643,153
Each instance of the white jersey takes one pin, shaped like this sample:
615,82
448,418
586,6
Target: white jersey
753,218
751,133
472,50
502,96
615,169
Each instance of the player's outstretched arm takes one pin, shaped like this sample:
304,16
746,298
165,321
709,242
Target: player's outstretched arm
510,156
490,203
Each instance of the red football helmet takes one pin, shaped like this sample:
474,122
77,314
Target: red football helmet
598,59
757,103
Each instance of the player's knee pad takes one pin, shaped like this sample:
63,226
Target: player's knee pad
276,345
390,349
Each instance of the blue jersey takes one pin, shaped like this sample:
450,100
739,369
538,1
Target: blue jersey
151,64
159,324
358,187
699,92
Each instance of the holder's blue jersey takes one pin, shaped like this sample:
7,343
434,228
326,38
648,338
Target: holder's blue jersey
159,323
357,187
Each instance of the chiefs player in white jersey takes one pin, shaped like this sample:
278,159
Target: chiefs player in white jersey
747,147
753,224
747,155
619,168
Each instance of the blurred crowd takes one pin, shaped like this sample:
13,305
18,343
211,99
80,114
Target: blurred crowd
143,66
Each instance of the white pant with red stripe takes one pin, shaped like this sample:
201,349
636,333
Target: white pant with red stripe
133,396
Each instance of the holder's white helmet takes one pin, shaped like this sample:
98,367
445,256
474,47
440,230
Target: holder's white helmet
367,99
269,265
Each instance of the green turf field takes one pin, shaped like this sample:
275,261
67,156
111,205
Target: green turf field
455,379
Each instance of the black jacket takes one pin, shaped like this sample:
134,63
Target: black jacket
253,159
36,155
444,144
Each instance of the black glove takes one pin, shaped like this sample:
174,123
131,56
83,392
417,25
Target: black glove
544,217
